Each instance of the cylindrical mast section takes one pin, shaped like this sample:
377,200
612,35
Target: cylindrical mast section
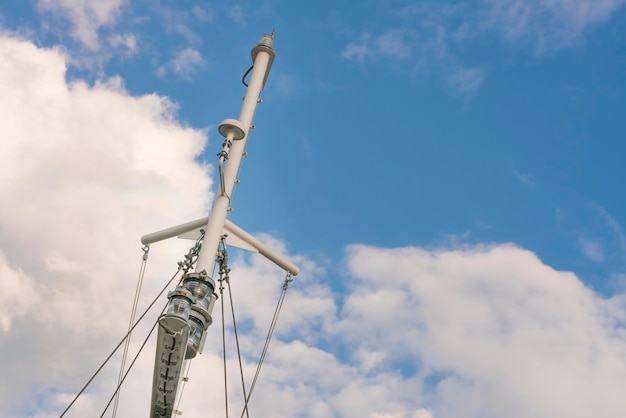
263,56
180,334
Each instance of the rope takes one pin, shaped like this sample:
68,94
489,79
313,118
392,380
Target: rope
120,343
279,306
142,271
119,385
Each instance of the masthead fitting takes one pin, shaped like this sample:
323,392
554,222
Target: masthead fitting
267,40
265,45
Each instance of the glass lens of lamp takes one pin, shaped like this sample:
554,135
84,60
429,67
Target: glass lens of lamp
179,306
201,290
195,335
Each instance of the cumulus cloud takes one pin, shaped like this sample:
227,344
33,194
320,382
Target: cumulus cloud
14,284
86,171
499,332
481,331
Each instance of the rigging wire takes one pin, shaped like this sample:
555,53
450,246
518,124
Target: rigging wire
142,271
279,305
121,342
224,271
232,310
119,385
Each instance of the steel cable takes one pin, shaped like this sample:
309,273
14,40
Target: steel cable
119,385
121,342
232,309
279,306
142,272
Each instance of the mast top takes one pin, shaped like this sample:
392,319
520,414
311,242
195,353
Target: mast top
265,44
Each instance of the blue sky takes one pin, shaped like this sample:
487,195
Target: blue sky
450,143
364,144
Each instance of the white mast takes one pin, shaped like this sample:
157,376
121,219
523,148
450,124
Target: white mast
181,329
236,133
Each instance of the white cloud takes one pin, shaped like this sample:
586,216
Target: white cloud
369,360
13,304
466,80
126,43
359,50
236,14
591,249
549,24
433,36
395,45
423,413
202,14
86,171
614,227
86,16
504,334
184,64
415,50
526,179
183,30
